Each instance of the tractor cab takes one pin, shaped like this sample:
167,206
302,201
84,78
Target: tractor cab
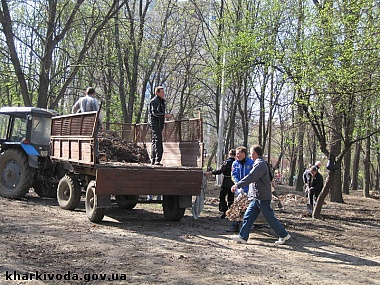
24,152
28,127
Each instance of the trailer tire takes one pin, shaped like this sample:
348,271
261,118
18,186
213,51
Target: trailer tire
126,202
68,192
16,174
94,213
172,210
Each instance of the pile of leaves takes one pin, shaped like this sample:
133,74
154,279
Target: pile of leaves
237,210
112,148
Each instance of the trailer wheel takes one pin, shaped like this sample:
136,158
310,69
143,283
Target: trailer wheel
16,175
126,202
94,213
172,211
68,192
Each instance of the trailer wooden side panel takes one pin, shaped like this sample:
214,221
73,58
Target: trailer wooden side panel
148,180
72,139
188,154
79,150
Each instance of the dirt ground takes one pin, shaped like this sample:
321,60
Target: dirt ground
48,245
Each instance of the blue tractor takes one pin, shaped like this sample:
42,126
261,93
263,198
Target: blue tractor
24,152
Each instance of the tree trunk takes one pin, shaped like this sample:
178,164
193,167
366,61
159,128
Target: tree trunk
321,198
346,172
292,171
367,168
355,166
301,164
336,188
212,155
47,58
336,148
120,69
230,140
6,22
314,150
377,186
262,107
107,85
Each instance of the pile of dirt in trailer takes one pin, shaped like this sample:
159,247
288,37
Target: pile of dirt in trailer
112,148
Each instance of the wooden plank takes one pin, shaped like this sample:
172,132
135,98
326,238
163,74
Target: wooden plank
65,150
74,152
154,180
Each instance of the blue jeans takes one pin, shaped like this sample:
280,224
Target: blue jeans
250,215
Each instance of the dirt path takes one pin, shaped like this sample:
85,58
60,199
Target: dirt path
140,247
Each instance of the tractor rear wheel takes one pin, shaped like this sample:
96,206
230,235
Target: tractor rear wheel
16,174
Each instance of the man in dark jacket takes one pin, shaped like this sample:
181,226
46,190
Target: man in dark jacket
158,115
227,183
315,185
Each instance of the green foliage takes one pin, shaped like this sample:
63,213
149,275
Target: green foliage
269,54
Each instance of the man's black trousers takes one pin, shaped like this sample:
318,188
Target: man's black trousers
223,204
157,148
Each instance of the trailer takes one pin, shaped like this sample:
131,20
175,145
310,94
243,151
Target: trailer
73,141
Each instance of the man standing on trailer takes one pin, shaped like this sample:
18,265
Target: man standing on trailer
158,115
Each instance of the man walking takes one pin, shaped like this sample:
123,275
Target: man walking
260,195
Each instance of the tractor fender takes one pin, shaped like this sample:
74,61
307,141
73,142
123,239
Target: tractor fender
29,149
32,154
26,148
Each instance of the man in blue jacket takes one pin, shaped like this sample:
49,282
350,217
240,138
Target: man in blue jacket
260,195
240,168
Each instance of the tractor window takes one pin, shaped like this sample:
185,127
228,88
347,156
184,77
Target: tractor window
19,130
41,130
4,122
